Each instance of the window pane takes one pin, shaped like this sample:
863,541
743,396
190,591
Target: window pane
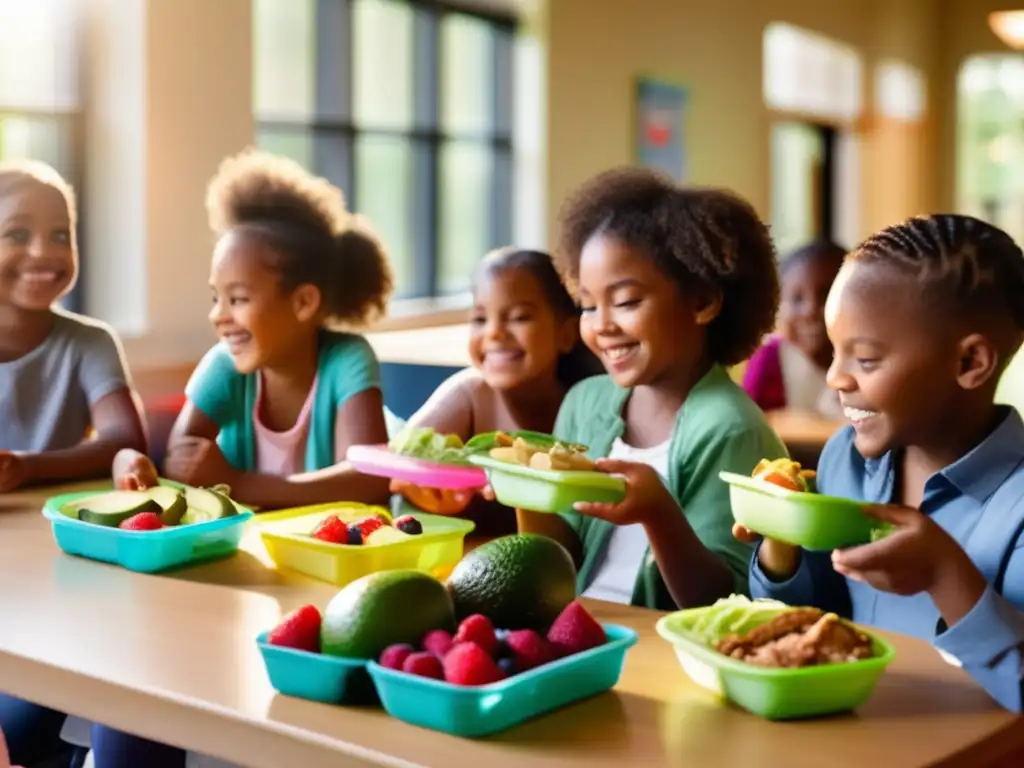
284,58
37,138
382,42
384,175
467,74
325,153
38,55
296,144
465,205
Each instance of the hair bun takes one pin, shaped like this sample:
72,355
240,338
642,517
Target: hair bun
364,281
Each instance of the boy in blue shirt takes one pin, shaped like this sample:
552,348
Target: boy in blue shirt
924,317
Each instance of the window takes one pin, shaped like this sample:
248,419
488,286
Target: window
38,88
407,106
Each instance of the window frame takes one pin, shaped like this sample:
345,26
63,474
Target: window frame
334,74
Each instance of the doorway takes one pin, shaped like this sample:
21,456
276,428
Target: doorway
803,173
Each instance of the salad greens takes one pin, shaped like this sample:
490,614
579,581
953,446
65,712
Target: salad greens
424,443
735,614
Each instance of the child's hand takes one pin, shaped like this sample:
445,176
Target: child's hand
440,501
777,559
13,472
646,495
918,556
199,462
134,471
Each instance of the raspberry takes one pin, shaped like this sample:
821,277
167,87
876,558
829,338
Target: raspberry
332,530
424,664
469,664
575,631
409,524
299,629
438,642
144,521
477,629
394,656
529,649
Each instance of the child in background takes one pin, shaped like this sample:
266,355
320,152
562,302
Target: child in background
924,317
788,371
273,408
674,283
62,375
526,353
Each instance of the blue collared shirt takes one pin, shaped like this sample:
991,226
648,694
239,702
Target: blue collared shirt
988,640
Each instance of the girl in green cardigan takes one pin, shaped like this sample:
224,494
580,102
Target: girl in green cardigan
674,284
273,407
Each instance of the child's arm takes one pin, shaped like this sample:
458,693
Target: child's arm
553,527
194,458
117,424
134,471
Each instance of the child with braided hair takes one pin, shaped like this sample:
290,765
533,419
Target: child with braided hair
924,317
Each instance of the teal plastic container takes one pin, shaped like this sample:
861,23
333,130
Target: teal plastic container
545,490
808,520
483,710
775,694
315,676
143,551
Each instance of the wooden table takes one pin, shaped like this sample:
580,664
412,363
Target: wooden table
173,658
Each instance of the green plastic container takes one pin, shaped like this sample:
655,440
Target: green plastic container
545,490
775,694
808,520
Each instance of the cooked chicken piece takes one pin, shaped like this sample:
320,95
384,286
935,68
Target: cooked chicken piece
802,637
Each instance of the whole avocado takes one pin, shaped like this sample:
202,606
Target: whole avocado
384,608
521,581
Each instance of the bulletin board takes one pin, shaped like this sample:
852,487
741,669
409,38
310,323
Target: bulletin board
659,126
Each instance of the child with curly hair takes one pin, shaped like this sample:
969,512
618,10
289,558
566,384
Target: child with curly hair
274,406
674,283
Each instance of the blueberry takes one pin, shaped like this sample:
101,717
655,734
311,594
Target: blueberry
507,667
355,534
501,634
410,525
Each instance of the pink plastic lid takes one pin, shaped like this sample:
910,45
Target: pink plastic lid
378,460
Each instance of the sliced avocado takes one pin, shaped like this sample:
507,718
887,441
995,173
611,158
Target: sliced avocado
172,501
204,505
112,509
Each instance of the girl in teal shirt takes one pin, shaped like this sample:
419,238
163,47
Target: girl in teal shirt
674,284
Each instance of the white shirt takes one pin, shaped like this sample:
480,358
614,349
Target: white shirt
617,567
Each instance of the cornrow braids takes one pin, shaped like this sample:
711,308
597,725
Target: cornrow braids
963,263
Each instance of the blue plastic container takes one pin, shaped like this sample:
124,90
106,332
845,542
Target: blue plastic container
314,676
143,551
483,710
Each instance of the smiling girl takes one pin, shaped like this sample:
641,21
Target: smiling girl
273,407
526,352
674,284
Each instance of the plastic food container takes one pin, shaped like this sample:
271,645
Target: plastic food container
144,551
808,520
483,710
286,537
545,490
314,676
378,460
775,694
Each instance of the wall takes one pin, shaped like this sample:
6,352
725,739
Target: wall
596,48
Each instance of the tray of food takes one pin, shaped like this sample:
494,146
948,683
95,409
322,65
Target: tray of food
538,472
776,661
779,501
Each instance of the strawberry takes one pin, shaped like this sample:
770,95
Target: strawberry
469,664
299,629
368,525
438,642
332,530
424,664
529,649
477,629
575,631
144,521
395,655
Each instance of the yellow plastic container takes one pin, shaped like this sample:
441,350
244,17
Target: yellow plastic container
286,536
